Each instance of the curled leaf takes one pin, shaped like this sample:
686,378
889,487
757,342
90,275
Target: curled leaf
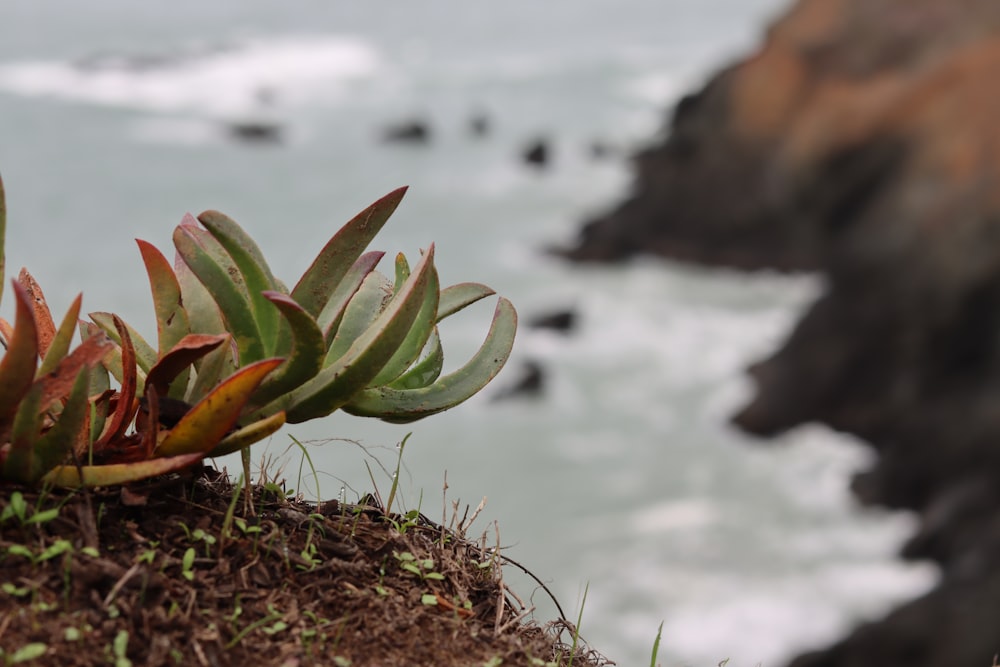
405,405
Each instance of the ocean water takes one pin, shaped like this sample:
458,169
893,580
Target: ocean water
623,478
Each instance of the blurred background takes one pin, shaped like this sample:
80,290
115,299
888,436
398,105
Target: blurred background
620,471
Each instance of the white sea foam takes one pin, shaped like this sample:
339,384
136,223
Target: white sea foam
216,82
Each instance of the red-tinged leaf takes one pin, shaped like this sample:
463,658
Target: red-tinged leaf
126,406
144,353
6,330
216,270
208,422
188,350
148,421
60,344
117,473
17,369
335,259
57,384
43,316
52,448
171,317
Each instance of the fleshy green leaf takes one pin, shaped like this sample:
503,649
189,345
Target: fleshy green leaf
306,357
329,320
221,277
457,297
254,269
407,405
427,369
209,420
338,382
249,434
360,314
409,350
335,259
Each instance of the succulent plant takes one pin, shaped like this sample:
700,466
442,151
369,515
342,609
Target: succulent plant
237,354
350,337
61,423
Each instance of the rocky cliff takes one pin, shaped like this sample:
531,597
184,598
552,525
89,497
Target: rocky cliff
862,140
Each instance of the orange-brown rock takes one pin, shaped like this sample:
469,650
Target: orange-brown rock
862,140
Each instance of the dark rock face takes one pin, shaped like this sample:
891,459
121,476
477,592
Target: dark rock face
862,140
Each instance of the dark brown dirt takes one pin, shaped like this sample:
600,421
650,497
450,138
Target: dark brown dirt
155,574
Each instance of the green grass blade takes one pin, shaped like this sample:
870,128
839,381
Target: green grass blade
405,405
335,259
337,383
656,646
256,273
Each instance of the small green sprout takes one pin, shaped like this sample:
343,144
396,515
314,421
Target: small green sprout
187,563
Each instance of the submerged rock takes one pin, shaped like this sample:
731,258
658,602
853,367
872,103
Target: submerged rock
536,153
256,131
861,140
411,131
562,321
531,383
